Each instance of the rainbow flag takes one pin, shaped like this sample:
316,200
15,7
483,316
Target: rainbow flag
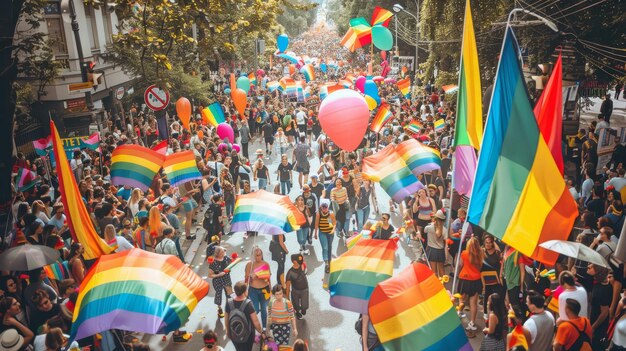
354,274
252,78
138,291
273,85
135,166
288,86
412,311
26,179
267,213
359,34
518,338
262,271
213,114
405,87
419,157
390,170
42,146
56,271
520,197
380,16
383,115
413,127
439,125
450,88
160,147
323,93
78,220
334,87
181,168
308,72
469,124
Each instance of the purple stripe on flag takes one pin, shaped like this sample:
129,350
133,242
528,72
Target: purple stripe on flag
120,319
465,169
349,303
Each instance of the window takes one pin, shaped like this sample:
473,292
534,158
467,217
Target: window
56,33
108,31
92,28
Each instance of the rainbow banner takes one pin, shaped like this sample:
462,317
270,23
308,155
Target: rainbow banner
440,124
413,127
413,311
213,114
78,220
252,78
160,147
135,166
380,16
308,72
518,195
383,115
419,157
450,88
288,86
25,179
273,85
42,146
405,87
355,274
56,271
138,291
267,213
390,170
181,168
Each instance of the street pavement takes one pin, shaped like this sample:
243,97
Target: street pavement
324,327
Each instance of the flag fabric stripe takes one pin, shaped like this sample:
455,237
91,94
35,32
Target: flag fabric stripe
418,157
181,168
135,166
549,114
355,274
267,213
381,16
383,115
78,220
161,147
464,169
405,86
42,145
518,194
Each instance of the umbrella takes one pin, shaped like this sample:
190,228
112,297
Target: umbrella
575,250
28,257
390,80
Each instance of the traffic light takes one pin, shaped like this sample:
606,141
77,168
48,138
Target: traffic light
95,78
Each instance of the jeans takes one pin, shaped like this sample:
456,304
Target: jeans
262,183
302,234
362,214
285,187
259,303
343,225
326,239
178,248
230,206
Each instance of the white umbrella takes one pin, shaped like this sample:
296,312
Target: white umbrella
575,250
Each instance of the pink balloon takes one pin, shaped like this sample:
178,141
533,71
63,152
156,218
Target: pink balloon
223,148
260,72
342,111
224,130
360,83
236,148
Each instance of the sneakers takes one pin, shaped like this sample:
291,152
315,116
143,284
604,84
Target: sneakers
471,326
327,268
307,252
182,337
299,315
220,312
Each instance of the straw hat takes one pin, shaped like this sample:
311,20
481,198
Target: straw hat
439,214
10,340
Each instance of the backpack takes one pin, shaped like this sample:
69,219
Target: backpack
239,324
581,339
207,222
372,339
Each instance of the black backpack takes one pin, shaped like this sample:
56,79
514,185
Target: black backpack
239,324
581,339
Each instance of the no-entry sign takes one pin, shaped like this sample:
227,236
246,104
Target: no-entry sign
156,99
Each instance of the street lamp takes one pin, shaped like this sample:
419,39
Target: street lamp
397,8
546,21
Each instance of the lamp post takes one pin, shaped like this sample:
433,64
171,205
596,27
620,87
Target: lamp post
68,6
397,8
546,21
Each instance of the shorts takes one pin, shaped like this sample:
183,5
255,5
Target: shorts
470,287
269,140
435,255
302,169
189,205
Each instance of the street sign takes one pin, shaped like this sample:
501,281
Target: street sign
119,93
76,105
156,99
80,87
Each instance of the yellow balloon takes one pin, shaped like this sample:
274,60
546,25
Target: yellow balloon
371,103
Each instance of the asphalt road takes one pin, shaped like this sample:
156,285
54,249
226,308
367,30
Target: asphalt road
324,327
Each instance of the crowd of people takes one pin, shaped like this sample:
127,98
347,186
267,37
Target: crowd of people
336,201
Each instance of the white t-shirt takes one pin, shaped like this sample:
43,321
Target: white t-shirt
619,335
40,343
301,118
579,295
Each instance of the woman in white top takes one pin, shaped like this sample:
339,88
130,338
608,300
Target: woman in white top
113,239
435,249
40,210
133,202
175,129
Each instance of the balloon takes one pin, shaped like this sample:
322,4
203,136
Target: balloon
227,91
239,99
224,147
243,83
292,69
323,67
382,38
383,55
371,90
225,131
200,134
183,110
260,72
282,42
236,147
371,103
360,83
344,110
233,82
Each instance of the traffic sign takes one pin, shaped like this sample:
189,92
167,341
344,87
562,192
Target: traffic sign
156,99
119,93
79,87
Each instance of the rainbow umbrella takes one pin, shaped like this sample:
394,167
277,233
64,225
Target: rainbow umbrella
358,35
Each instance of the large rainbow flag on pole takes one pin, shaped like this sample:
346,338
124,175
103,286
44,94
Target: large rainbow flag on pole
389,169
355,274
78,220
405,87
419,157
181,167
266,213
383,115
520,197
469,124
138,291
412,311
135,166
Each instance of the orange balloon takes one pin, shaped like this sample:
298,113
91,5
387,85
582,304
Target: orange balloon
292,69
200,134
183,110
233,85
239,100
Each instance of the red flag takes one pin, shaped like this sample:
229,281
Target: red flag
549,113
161,147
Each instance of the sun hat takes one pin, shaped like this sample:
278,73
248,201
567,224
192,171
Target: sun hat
10,340
439,214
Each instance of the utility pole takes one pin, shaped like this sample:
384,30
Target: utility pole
79,48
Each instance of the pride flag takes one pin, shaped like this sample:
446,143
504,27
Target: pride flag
273,85
355,274
519,194
518,338
413,127
160,147
42,146
358,35
439,125
262,271
383,115
213,114
405,87
252,78
181,168
138,291
323,92
56,270
450,88
78,220
390,170
380,16
308,72
25,179
419,157
135,166
267,213
412,311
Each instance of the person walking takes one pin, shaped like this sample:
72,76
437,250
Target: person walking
241,319
470,284
495,331
221,278
281,319
244,137
540,324
259,288
575,332
325,223
606,109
